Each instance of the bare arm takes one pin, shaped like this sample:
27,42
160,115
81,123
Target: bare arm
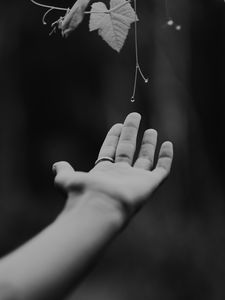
55,261
100,203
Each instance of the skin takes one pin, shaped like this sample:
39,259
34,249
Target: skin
99,205
127,182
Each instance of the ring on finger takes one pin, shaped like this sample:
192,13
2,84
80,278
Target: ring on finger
104,158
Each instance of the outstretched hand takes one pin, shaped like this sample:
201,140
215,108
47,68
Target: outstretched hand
125,181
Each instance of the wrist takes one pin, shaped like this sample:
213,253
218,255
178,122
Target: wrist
100,205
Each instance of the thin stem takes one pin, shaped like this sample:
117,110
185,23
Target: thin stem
135,34
142,75
109,10
43,18
137,66
48,6
135,84
97,12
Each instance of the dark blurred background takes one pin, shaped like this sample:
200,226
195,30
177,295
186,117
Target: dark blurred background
58,98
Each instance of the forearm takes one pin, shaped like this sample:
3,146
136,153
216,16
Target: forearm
53,263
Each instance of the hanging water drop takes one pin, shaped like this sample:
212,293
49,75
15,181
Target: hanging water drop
137,67
170,22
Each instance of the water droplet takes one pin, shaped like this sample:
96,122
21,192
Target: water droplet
170,22
132,99
178,27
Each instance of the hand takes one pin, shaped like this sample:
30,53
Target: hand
127,182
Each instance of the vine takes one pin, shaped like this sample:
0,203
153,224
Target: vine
112,24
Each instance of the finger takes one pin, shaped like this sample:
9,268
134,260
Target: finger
164,163
64,171
127,141
110,143
146,155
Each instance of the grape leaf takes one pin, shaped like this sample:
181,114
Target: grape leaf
113,24
73,17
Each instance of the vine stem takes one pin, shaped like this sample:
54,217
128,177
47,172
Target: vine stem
108,11
44,16
49,6
137,66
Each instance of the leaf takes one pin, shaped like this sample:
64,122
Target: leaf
113,24
73,17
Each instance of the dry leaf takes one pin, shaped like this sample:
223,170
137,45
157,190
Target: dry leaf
74,17
113,24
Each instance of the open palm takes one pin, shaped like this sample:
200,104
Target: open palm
125,180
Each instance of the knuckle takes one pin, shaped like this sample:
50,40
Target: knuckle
147,150
123,157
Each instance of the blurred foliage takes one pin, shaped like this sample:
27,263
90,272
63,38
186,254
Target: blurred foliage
58,98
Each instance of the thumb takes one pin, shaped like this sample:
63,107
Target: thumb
64,171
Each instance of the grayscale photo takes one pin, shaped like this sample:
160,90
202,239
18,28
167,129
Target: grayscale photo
112,162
